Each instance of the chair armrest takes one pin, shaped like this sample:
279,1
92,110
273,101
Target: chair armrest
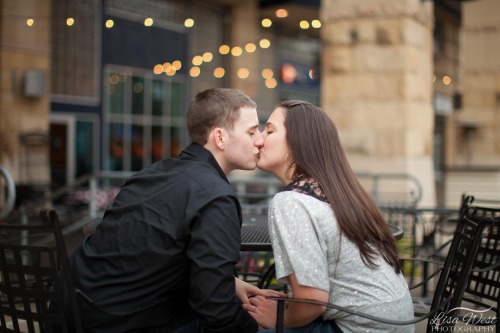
487,268
426,278
281,301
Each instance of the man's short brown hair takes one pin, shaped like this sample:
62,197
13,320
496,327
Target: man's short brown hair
217,107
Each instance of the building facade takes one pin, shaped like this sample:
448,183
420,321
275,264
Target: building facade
95,85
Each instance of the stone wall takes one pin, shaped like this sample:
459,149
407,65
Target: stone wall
377,84
480,76
24,51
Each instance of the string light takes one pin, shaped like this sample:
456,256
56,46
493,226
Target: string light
158,69
177,64
166,67
194,71
236,51
304,24
281,13
446,80
189,23
224,49
250,47
172,71
316,24
207,56
219,72
266,23
271,83
264,43
197,60
267,73
243,73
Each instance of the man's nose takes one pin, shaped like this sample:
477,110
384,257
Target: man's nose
259,139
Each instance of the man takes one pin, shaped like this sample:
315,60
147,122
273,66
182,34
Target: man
163,258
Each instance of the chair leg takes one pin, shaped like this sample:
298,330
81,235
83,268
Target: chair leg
280,314
266,277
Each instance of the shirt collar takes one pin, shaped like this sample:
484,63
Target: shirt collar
199,152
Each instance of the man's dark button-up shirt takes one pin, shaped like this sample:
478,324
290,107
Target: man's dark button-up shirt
170,241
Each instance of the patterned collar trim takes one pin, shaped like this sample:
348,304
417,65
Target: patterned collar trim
306,185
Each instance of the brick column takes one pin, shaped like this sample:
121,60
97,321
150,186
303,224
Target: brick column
377,84
245,25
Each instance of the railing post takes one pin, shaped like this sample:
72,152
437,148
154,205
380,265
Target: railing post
10,193
280,316
93,196
272,189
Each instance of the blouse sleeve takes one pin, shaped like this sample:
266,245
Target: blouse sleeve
297,242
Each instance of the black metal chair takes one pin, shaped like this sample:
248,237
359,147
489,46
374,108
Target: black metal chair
421,228
31,259
453,279
253,265
426,231
256,259
483,287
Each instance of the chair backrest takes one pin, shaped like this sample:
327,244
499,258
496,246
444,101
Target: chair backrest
457,268
484,282
31,259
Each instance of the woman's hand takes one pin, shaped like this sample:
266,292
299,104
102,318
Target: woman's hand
263,310
296,314
244,290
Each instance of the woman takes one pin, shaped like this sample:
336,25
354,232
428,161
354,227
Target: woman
329,239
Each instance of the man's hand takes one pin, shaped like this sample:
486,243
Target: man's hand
244,290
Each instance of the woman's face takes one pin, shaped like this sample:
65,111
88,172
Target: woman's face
275,149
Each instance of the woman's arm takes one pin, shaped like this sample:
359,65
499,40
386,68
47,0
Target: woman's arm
300,314
296,314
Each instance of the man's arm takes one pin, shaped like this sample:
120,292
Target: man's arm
214,250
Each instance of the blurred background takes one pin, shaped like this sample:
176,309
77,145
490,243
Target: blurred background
93,90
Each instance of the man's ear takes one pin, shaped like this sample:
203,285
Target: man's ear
218,137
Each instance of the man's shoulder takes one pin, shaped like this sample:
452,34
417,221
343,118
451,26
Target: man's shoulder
188,168
195,173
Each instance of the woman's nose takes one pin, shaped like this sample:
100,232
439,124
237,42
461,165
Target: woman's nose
259,139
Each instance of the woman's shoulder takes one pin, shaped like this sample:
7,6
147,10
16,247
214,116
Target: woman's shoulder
295,197
294,204
306,185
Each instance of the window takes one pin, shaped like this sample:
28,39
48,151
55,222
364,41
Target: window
75,50
74,146
144,118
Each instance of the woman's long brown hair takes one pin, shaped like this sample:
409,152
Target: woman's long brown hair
315,146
